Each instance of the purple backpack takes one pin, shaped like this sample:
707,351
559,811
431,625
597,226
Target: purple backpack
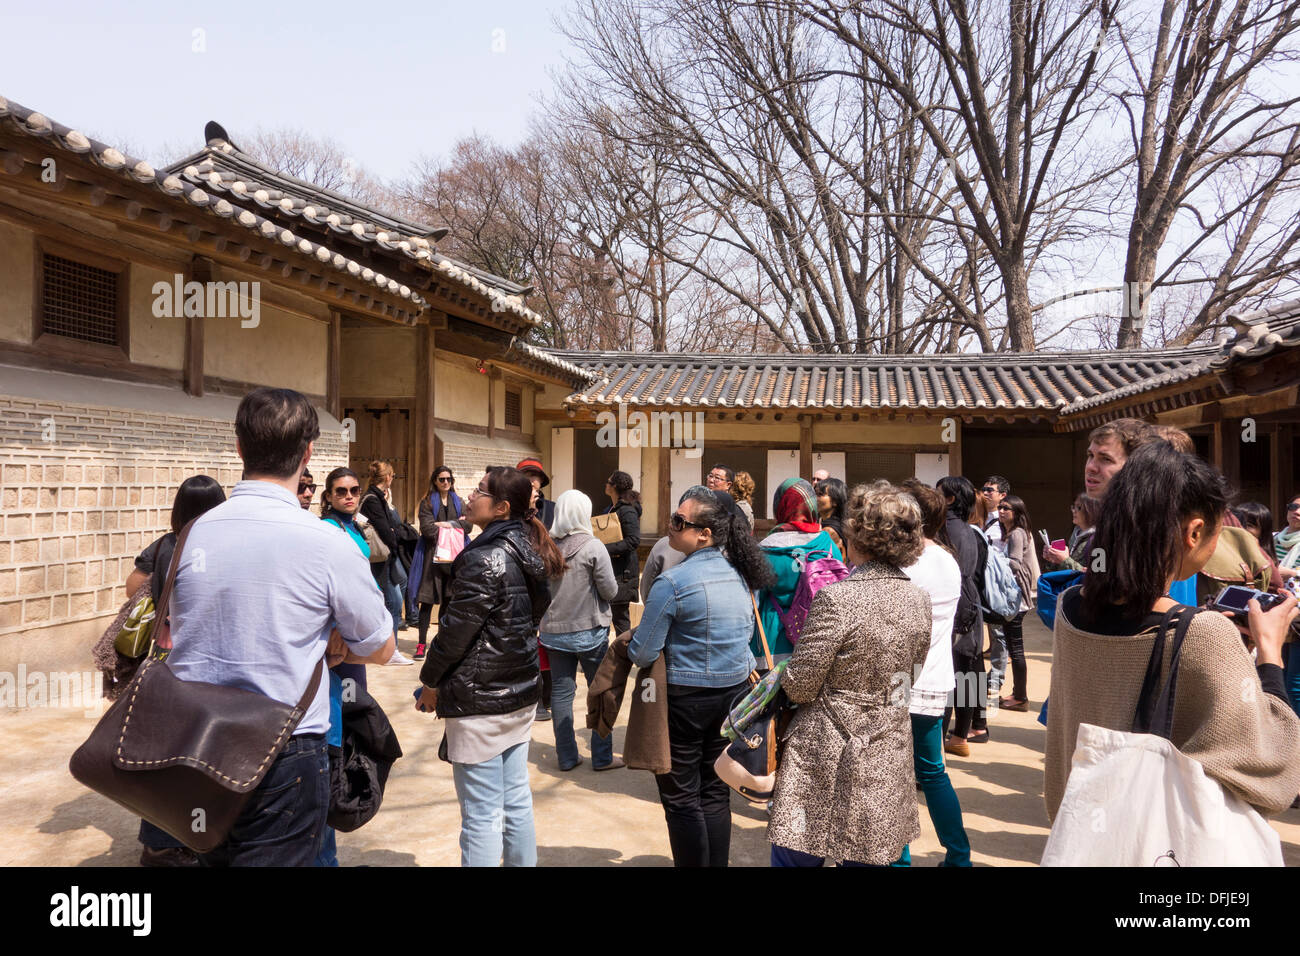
816,570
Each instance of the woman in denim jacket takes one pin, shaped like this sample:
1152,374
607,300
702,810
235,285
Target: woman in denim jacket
701,615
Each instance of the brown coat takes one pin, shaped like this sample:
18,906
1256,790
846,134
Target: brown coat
1246,739
645,747
845,789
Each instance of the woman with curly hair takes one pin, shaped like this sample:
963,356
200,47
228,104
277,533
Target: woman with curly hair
743,487
847,789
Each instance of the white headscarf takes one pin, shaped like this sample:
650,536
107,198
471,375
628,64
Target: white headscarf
572,514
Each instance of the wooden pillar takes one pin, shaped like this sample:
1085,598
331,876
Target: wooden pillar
1216,444
492,401
333,375
805,446
666,503
423,449
1281,474
1229,432
954,451
201,270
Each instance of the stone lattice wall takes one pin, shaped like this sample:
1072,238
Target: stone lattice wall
85,488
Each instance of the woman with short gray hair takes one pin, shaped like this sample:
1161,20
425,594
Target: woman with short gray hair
846,790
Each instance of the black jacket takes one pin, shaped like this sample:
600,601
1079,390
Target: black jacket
484,659
545,510
968,626
622,554
375,507
359,769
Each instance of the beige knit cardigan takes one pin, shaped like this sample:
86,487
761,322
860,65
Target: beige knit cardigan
1246,739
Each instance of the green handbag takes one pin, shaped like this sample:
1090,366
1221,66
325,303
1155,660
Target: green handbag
137,631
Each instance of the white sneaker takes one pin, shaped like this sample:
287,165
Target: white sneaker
398,659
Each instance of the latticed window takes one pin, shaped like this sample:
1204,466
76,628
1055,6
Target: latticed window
79,301
514,413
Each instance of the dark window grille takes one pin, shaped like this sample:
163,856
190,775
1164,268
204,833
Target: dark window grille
514,412
79,301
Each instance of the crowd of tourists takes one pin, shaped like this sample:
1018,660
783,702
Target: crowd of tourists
846,590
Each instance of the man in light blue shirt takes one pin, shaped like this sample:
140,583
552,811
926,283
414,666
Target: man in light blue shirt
261,587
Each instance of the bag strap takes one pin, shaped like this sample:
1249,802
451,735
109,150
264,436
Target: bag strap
164,599
1155,710
160,614
762,635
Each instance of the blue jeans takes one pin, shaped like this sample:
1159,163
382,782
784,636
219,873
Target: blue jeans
284,821
392,593
1291,674
785,857
329,852
496,810
564,686
940,798
156,839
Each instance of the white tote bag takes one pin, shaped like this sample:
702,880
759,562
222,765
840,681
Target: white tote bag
1136,800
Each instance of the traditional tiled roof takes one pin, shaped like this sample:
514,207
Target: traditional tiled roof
1258,334
221,167
192,195
530,356
1261,333
1046,381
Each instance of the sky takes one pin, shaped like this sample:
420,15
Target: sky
389,81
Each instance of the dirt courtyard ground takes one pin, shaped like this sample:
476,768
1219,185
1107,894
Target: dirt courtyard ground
583,818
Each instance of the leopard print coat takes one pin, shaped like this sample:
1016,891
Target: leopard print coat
845,788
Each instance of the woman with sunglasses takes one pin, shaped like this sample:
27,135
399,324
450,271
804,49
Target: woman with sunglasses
1083,515
700,614
1023,556
440,508
340,502
481,671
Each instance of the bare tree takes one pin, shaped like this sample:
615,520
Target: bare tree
317,160
1023,86
799,170
1216,133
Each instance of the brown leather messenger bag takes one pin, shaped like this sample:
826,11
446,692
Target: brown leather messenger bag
186,755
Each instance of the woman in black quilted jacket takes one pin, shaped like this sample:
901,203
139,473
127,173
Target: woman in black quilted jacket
481,672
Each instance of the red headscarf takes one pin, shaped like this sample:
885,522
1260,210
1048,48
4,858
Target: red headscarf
794,506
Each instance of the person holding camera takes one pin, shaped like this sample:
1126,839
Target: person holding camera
1231,713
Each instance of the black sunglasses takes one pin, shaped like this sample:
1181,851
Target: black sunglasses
1293,506
306,487
446,478
989,488
678,523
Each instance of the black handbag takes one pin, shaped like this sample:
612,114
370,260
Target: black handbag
186,755
750,762
359,769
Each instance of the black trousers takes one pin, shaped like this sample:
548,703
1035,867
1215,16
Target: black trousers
622,617
1015,633
966,701
697,804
